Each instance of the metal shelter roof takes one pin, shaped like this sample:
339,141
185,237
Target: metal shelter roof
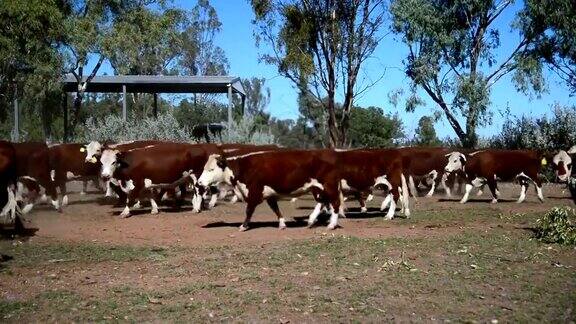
157,84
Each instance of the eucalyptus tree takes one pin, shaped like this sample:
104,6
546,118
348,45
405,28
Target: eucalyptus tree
452,57
320,46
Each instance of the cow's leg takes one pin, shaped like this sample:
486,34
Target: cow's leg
523,187
434,175
404,196
250,207
314,215
385,202
413,189
445,186
273,203
133,189
392,203
469,187
538,186
84,187
494,189
362,201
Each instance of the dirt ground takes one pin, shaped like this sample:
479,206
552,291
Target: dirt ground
476,262
91,218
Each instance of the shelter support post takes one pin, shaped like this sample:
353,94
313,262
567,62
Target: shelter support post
229,106
16,117
243,105
155,105
124,102
65,115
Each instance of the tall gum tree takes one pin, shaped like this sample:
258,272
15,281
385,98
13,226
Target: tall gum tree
321,45
452,57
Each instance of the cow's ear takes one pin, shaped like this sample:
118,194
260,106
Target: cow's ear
462,159
221,162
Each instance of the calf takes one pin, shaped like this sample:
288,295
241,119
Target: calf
490,166
268,175
160,164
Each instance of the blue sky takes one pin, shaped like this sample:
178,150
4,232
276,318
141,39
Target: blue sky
237,41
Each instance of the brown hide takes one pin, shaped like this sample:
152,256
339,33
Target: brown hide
33,160
285,171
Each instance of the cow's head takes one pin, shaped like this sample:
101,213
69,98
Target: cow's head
562,163
93,151
215,171
110,161
456,162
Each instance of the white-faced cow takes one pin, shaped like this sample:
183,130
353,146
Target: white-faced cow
562,164
268,175
94,151
160,165
67,163
490,166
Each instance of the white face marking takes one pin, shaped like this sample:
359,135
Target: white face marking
108,160
93,149
563,165
213,173
455,162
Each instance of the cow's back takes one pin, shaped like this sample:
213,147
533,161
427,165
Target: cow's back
505,164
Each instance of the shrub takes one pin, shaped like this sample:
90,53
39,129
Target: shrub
165,127
557,226
246,131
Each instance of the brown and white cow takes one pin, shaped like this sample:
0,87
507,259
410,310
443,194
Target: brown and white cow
156,165
425,163
94,151
364,170
67,163
268,175
562,163
8,202
33,171
490,166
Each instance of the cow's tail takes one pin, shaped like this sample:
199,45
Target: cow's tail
405,196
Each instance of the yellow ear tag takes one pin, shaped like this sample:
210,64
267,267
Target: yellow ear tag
544,162
93,160
82,150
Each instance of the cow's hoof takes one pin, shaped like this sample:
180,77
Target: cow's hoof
363,209
310,224
65,201
407,213
388,217
462,201
154,211
494,201
137,205
197,211
125,215
27,208
332,226
282,226
243,228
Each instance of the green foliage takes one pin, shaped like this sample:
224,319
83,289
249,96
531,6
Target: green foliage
189,114
246,131
551,25
451,55
370,127
425,133
557,226
320,46
541,133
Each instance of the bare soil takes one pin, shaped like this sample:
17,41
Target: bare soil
448,262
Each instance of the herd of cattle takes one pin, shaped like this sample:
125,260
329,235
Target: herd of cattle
204,173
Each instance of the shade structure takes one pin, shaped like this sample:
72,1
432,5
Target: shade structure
156,84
